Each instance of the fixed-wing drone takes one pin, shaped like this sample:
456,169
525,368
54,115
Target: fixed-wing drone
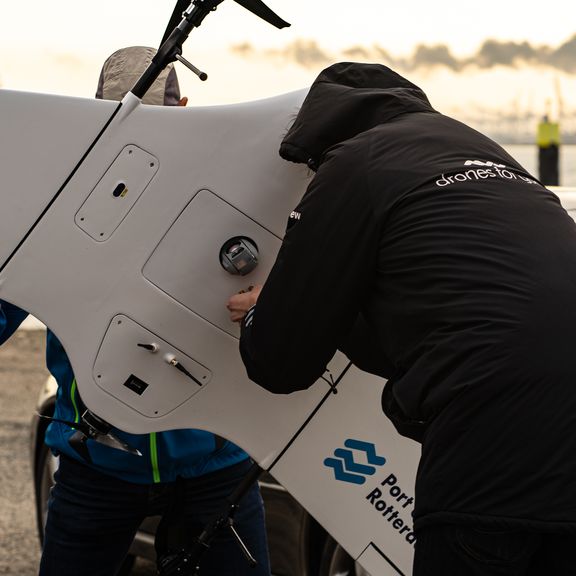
134,285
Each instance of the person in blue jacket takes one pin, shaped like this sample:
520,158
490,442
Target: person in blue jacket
96,506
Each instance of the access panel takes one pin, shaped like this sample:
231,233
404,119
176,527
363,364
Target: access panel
187,263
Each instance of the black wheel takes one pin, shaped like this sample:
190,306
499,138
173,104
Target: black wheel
47,466
337,562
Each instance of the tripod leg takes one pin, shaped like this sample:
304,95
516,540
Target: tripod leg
186,562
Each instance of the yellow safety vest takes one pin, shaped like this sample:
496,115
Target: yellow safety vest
548,134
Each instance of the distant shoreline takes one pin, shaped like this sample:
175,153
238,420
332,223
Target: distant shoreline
505,140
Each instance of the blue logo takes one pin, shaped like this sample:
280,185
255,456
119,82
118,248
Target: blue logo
347,469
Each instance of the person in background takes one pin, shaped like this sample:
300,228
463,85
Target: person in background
429,256
548,140
183,476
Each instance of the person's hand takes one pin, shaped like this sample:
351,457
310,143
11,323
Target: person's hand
240,303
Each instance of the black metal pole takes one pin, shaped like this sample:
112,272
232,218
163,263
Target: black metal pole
191,18
185,562
175,18
203,542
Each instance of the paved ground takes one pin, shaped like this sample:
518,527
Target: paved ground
22,372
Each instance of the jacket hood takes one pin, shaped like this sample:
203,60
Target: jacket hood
345,100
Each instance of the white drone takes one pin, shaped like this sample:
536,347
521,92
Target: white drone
125,228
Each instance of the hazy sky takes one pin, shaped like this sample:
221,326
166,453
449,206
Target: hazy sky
397,26
59,46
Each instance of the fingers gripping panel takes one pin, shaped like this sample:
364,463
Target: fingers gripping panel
145,372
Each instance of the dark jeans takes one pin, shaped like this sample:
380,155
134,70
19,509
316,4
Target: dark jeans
93,517
447,550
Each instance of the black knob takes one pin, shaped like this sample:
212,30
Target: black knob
239,255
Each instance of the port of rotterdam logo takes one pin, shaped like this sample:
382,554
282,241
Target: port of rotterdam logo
357,462
349,464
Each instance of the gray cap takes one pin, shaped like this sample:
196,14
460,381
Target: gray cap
121,71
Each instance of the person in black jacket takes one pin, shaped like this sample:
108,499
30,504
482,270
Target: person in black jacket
429,255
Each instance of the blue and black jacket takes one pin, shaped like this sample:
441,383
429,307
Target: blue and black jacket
165,455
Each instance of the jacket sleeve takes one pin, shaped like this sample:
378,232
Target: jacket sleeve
316,287
361,347
408,427
10,319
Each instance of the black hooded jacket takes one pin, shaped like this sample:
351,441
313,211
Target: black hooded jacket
427,254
